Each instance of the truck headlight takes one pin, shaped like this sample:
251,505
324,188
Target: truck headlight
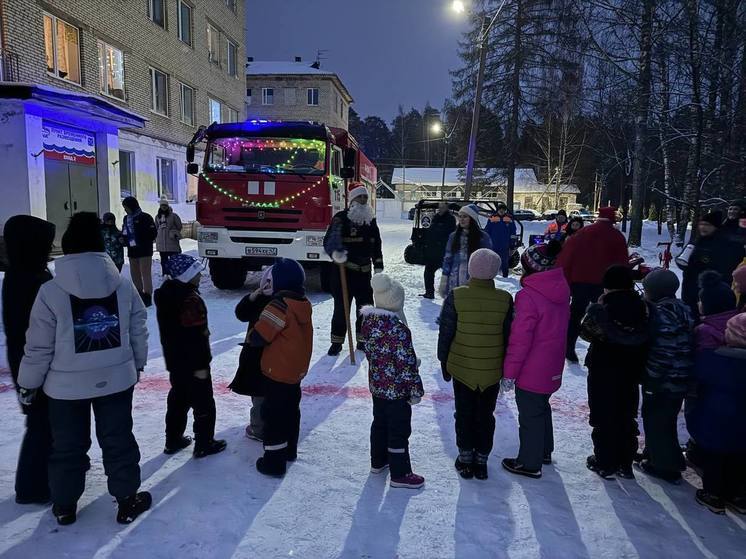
314,241
208,236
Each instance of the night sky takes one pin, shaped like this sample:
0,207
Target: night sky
387,52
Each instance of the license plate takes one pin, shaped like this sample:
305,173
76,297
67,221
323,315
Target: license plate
261,251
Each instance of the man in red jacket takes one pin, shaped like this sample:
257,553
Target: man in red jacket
585,258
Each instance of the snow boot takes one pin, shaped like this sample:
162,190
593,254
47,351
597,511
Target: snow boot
592,464
334,350
671,477
172,447
209,448
271,468
65,514
133,506
712,502
253,435
625,472
379,469
736,504
464,469
409,481
428,295
572,357
515,467
547,460
480,466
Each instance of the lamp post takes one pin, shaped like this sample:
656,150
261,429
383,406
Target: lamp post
459,7
437,128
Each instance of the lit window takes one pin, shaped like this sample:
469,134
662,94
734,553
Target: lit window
159,92
62,49
185,22
214,111
268,96
126,173
166,179
232,58
213,44
187,104
313,96
111,70
157,12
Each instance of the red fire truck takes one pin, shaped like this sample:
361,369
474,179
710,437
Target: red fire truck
268,189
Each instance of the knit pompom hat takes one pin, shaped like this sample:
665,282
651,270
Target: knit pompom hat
715,295
388,294
540,258
288,275
484,264
660,284
472,210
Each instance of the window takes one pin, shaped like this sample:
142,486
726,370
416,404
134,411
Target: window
232,58
158,92
563,202
187,104
528,202
231,4
185,22
214,111
126,173
157,12
213,44
290,96
62,49
341,108
228,114
248,96
165,170
111,70
268,96
313,96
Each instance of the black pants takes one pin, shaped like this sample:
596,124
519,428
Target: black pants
535,428
71,435
281,416
359,289
475,419
32,477
430,269
389,435
613,401
660,413
188,392
164,260
583,294
723,475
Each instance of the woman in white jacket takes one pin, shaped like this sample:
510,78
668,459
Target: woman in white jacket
85,346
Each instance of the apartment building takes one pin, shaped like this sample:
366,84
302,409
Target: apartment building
296,91
100,98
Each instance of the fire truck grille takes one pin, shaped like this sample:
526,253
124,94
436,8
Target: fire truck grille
279,219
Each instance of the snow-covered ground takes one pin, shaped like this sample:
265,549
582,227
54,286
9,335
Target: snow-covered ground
329,505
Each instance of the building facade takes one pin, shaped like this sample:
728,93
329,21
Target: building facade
170,65
296,91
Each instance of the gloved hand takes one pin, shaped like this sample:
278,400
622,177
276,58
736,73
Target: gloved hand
339,256
446,374
414,400
507,384
139,372
202,374
26,396
443,287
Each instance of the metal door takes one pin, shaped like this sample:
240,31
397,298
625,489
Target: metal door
83,191
70,188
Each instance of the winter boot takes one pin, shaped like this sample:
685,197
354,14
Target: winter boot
515,467
334,350
712,502
378,469
65,514
272,466
625,472
736,504
428,295
464,464
670,477
252,434
133,506
409,481
592,464
172,447
209,448
480,466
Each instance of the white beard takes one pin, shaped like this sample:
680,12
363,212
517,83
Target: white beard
360,214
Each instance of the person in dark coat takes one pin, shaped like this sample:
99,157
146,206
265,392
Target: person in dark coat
734,225
113,240
667,377
501,229
249,378
617,329
28,241
139,232
185,337
353,241
715,250
442,225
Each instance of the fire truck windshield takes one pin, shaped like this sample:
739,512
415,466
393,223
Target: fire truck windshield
296,156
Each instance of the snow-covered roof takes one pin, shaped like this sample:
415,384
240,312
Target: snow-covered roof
262,68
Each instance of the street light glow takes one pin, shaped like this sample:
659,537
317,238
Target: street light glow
436,128
458,6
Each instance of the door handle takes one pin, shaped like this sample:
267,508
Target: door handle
67,206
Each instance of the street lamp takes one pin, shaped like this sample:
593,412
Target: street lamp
437,128
459,7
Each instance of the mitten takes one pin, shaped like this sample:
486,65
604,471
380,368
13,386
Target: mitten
339,256
26,396
446,374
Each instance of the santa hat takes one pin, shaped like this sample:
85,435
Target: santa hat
608,213
388,294
472,210
183,267
484,264
355,190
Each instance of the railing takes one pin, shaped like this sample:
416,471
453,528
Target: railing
9,66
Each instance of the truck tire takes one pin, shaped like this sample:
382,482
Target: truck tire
326,269
227,273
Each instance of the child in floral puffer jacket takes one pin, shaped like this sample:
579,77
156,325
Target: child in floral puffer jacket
394,381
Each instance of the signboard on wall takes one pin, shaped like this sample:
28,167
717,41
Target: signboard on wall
68,144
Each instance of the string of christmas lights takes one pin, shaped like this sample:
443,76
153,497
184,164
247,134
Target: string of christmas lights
252,204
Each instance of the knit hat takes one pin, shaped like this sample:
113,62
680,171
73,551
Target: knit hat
484,264
388,294
715,295
355,190
540,258
83,234
288,275
183,267
618,277
713,218
472,210
608,212
735,331
660,284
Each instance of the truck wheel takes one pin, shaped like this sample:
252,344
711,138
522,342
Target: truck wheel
325,273
227,273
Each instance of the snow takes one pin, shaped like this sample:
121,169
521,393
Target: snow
329,505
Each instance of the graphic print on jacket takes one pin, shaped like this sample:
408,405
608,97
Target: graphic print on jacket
96,323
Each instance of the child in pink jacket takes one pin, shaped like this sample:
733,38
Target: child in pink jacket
536,355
